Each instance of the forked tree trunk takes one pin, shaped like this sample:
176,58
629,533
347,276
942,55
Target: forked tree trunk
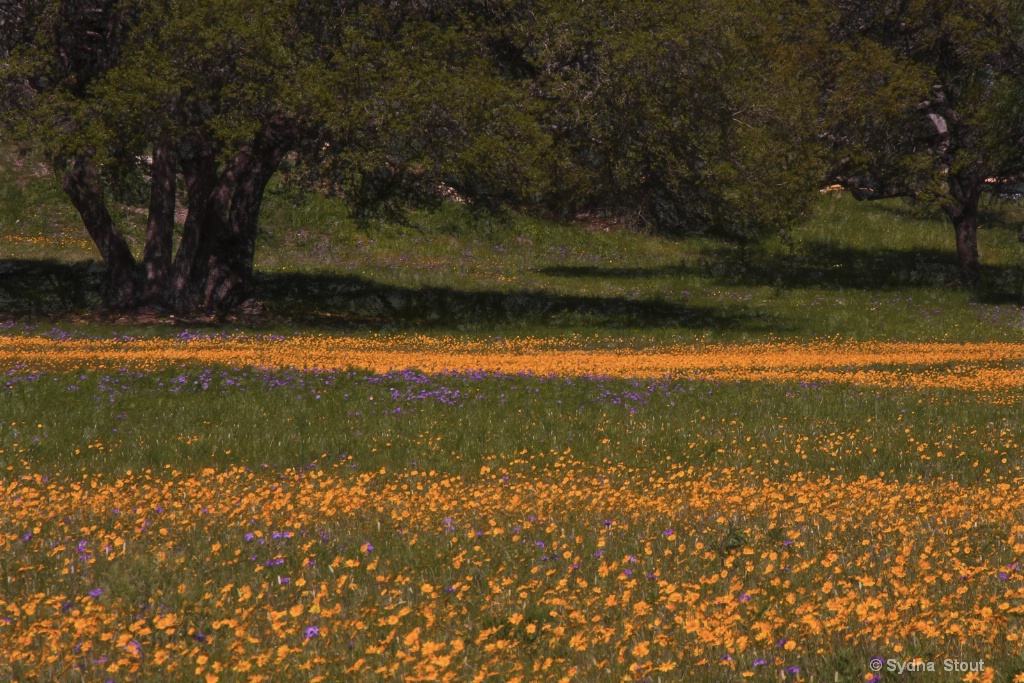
219,254
229,278
963,214
200,171
160,228
212,232
80,181
213,268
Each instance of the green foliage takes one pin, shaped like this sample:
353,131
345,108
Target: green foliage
683,116
388,98
926,94
691,116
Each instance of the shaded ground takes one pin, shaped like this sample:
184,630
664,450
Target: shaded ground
828,266
878,270
339,301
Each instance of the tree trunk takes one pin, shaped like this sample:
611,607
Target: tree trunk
214,229
213,268
160,229
966,227
229,280
81,183
200,170
963,214
232,248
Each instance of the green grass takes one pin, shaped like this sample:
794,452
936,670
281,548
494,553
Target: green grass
124,420
852,270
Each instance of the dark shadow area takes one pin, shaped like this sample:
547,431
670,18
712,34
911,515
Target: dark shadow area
31,287
354,302
327,301
823,265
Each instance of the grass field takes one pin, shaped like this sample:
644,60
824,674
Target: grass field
868,271
496,448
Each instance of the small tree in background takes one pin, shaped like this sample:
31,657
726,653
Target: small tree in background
925,101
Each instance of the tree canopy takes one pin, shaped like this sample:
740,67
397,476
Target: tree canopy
925,102
377,97
683,115
689,115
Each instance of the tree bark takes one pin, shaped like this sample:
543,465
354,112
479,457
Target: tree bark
229,280
963,214
80,181
213,268
160,228
232,246
199,168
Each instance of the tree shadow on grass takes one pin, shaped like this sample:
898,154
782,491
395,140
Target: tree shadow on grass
826,266
30,287
33,289
355,302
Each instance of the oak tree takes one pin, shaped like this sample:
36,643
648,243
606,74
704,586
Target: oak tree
924,100
213,95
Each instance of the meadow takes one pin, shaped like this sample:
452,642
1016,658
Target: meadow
480,447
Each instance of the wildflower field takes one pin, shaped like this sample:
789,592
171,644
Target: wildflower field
486,448
251,508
